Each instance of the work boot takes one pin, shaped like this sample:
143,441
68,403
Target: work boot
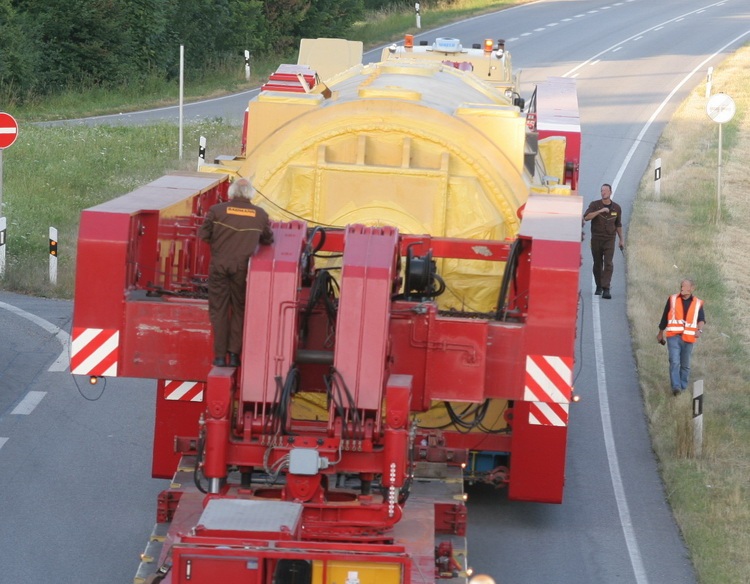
598,291
220,362
606,294
234,360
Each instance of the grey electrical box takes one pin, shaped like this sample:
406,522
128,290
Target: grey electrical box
303,461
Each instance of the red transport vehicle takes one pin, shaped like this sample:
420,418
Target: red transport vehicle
411,328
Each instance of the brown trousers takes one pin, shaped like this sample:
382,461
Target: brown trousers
226,306
603,252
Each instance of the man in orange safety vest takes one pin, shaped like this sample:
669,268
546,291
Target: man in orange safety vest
682,323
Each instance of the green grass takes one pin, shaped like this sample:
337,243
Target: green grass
51,174
151,93
709,494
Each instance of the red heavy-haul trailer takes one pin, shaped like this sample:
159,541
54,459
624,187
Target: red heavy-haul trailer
411,327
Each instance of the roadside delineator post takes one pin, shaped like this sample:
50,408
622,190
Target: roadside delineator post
202,151
53,256
698,418
657,178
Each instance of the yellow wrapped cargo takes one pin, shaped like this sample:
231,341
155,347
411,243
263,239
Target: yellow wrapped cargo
423,146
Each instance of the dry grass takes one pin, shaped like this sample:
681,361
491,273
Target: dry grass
709,494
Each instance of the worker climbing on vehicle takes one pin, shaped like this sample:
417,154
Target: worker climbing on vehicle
233,229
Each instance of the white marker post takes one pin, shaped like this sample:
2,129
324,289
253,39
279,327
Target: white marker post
709,81
247,65
657,178
202,152
53,256
419,16
698,418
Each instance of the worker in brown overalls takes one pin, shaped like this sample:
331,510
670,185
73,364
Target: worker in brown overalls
234,230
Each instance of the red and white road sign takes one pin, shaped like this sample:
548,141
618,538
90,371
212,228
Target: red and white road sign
8,130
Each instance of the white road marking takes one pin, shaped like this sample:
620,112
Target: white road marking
609,440
637,36
61,363
3,441
28,403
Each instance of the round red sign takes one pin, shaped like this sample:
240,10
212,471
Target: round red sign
8,130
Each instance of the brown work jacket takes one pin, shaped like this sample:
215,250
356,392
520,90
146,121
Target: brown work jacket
234,230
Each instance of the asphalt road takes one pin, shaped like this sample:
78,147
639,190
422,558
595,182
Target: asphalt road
77,499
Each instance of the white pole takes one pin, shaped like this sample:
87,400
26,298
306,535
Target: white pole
698,418
718,177
53,256
182,84
657,177
2,246
709,81
419,16
247,65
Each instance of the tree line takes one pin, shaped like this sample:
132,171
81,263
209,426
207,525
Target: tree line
48,46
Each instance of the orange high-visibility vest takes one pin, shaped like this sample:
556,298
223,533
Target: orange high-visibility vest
680,324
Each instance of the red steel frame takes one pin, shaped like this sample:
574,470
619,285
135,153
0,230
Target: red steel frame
169,337
140,311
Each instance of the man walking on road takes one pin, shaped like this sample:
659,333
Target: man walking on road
683,320
606,223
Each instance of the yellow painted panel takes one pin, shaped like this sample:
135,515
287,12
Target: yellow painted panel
368,572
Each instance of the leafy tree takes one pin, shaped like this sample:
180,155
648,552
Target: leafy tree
283,19
212,30
330,18
19,54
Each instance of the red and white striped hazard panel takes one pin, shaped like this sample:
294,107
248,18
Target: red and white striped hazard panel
183,390
94,351
548,387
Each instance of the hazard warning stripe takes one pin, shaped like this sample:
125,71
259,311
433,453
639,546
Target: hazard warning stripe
545,414
548,378
94,351
183,390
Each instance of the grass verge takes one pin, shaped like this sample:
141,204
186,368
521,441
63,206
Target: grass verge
51,174
709,494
